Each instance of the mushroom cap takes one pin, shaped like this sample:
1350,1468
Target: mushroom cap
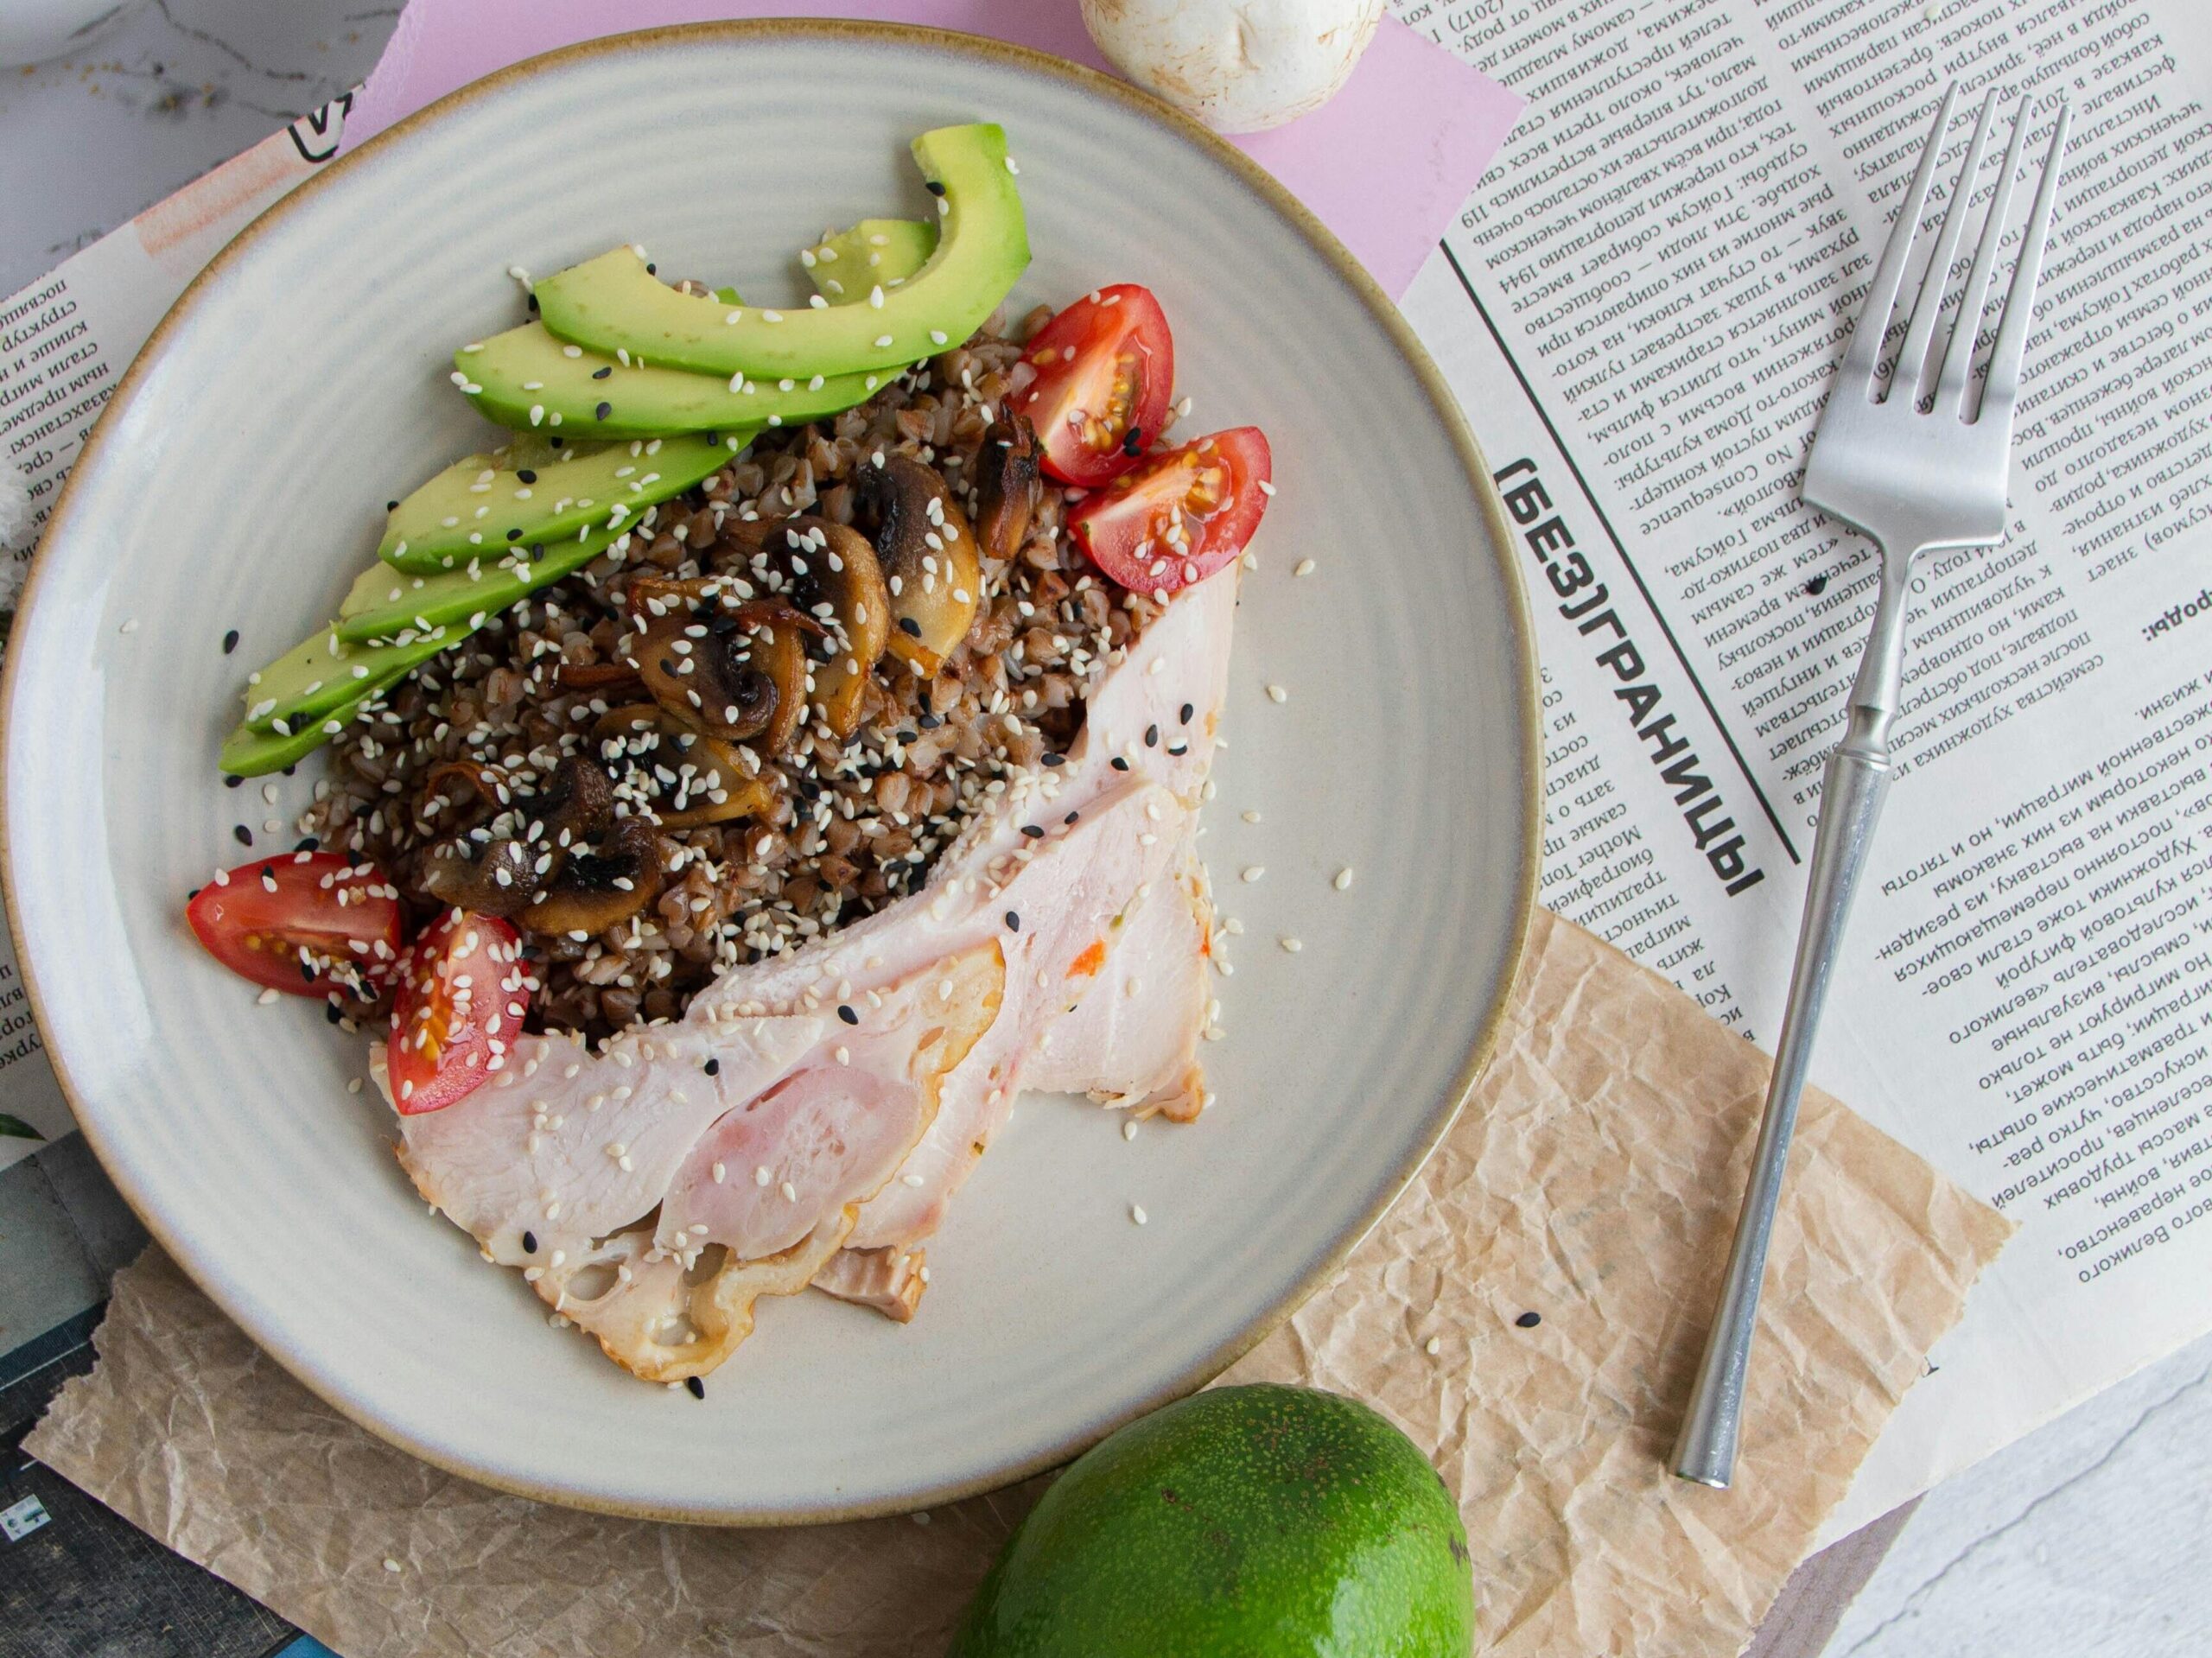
1239,66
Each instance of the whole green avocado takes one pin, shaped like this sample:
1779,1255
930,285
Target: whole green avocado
1260,1521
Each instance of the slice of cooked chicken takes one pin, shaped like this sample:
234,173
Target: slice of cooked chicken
866,1074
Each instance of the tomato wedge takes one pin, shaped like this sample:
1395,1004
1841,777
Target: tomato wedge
462,993
1181,516
308,923
1105,371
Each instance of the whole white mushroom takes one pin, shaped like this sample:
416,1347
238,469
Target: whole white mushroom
1239,66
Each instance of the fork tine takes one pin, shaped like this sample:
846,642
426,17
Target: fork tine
1966,327
2003,382
1866,348
1912,360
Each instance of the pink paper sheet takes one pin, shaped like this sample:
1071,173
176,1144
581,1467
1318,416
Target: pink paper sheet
1385,164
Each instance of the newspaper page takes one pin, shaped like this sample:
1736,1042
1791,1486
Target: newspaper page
1640,308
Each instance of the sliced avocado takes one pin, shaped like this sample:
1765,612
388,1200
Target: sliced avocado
847,264
399,608
483,505
614,303
250,753
327,672
524,377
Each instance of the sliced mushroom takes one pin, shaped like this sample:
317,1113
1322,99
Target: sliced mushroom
499,880
927,554
576,805
597,677
713,783
595,890
833,577
732,669
1009,487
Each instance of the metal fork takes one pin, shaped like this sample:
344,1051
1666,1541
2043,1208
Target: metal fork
1909,474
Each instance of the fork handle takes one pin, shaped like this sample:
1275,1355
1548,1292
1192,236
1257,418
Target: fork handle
1852,788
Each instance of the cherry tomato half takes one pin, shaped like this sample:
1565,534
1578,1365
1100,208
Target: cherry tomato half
1181,516
462,993
1105,371
309,923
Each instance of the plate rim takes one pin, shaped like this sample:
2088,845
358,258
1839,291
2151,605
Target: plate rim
1491,508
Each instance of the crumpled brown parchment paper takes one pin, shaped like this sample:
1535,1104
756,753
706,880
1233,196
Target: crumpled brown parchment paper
1591,1179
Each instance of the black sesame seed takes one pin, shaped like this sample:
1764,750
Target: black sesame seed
527,475
529,1243
232,782
308,843
930,721
332,1012
536,552
1012,921
713,1067
936,189
515,534
1070,817
1032,831
911,628
1179,750
532,303
696,1388
653,270
845,1012
601,374
1120,764
1814,587
391,506
290,770
1133,445
1187,712
1529,1320
243,836
230,641
1152,736
191,895
307,974
603,411
1056,760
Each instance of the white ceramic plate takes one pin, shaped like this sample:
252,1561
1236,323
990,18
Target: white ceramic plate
236,481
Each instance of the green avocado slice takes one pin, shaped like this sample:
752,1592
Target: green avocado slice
483,505
395,607
248,752
523,378
613,303
327,672
845,264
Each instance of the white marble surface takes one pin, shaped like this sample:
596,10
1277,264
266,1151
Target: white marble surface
2088,1538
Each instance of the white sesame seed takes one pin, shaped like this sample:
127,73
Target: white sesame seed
790,1191
1304,567
1433,1346
1252,873
390,1564
910,1179
1344,878
760,1175
1292,945
1277,694
1137,1214
265,998
718,1171
1251,818
1130,1129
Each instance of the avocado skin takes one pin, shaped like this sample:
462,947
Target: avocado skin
1260,1522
